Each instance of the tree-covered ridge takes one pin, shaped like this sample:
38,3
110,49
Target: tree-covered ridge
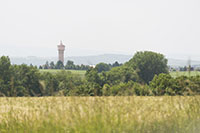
145,74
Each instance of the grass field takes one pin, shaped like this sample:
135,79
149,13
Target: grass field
100,114
82,72
177,74
78,72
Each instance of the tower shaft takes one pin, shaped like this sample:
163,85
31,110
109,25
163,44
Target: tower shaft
61,56
61,49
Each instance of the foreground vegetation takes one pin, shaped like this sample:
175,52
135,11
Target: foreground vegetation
101,114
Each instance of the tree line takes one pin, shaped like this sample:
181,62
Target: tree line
146,74
71,66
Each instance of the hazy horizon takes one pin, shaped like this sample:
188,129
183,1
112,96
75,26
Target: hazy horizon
35,28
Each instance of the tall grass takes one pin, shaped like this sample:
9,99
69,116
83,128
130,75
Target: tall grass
100,114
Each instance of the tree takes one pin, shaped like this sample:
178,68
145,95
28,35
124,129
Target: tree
116,64
50,82
40,67
46,66
26,78
163,84
147,64
102,67
59,65
94,80
5,75
52,65
70,65
119,74
5,69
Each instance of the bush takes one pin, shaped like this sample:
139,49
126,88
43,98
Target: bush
162,84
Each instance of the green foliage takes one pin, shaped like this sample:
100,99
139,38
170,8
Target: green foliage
119,74
59,65
21,80
52,65
195,84
123,89
94,81
163,84
60,83
141,90
70,65
67,80
50,84
116,64
92,76
147,64
126,89
46,66
102,67
124,80
26,80
5,69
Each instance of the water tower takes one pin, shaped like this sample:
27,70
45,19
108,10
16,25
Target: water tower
61,49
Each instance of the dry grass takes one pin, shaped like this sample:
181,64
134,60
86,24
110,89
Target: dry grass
100,114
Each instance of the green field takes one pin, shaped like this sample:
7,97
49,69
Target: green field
82,72
177,74
100,114
78,72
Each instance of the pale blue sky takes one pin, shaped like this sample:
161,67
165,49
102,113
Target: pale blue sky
89,27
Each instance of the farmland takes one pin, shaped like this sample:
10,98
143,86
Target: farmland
82,72
177,74
100,114
77,72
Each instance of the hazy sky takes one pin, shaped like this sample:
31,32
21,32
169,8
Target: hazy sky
89,27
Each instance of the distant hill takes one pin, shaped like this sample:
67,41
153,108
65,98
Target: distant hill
86,60
93,60
178,62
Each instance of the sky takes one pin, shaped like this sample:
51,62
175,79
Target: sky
91,27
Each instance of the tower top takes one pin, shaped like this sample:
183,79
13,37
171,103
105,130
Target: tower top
61,42
61,46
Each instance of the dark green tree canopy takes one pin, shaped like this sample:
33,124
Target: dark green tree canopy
52,65
59,65
148,64
70,65
102,67
5,66
119,74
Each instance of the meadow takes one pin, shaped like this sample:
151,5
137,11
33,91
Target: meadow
77,72
82,72
133,114
177,74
